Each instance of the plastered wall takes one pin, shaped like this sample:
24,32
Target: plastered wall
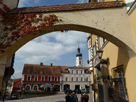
117,57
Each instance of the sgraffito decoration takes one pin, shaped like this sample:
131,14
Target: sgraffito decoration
17,25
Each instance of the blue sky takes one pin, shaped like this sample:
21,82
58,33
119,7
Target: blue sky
56,47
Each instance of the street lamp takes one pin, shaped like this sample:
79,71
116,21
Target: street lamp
99,53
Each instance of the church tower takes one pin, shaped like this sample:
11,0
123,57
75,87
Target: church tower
79,62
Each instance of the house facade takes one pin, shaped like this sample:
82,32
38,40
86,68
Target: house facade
34,76
75,78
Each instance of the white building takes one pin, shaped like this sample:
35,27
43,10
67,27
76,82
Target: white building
77,77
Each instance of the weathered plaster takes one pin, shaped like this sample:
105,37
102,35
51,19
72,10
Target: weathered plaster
11,3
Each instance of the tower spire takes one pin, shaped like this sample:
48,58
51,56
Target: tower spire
78,57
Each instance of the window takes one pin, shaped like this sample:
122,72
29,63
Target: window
81,71
86,71
49,79
55,78
72,79
35,78
66,70
42,78
72,72
27,88
28,78
66,78
35,88
81,79
76,79
80,58
86,79
80,62
122,85
76,71
19,85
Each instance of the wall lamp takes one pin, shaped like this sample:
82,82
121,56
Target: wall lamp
99,53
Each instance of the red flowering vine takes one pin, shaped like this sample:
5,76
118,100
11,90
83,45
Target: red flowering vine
19,25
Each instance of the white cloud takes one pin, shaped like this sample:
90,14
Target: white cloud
23,3
31,3
17,74
41,49
82,1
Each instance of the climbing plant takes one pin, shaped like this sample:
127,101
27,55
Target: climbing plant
18,25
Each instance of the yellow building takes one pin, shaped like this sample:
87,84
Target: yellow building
114,76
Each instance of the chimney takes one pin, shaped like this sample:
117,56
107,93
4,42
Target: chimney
41,64
51,64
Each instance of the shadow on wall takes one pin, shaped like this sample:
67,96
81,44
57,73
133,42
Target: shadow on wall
122,59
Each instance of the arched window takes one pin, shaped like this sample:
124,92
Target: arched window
27,88
35,88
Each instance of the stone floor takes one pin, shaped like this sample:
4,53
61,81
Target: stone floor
59,97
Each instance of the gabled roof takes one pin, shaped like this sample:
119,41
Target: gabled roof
69,7
33,69
41,70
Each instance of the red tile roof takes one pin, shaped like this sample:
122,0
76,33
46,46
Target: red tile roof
47,70
69,7
41,70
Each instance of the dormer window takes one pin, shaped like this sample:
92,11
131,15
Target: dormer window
66,70
86,71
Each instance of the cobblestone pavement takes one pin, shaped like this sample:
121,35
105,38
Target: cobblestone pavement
59,97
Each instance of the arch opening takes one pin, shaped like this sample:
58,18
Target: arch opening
18,44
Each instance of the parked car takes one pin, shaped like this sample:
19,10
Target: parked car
14,96
83,90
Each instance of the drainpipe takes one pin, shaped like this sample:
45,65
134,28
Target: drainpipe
93,70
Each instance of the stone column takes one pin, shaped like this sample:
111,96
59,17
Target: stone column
2,70
104,75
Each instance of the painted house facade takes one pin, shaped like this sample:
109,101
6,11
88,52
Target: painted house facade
34,76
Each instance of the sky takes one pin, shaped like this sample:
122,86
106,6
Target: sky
59,48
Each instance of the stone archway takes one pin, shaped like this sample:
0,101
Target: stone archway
108,20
